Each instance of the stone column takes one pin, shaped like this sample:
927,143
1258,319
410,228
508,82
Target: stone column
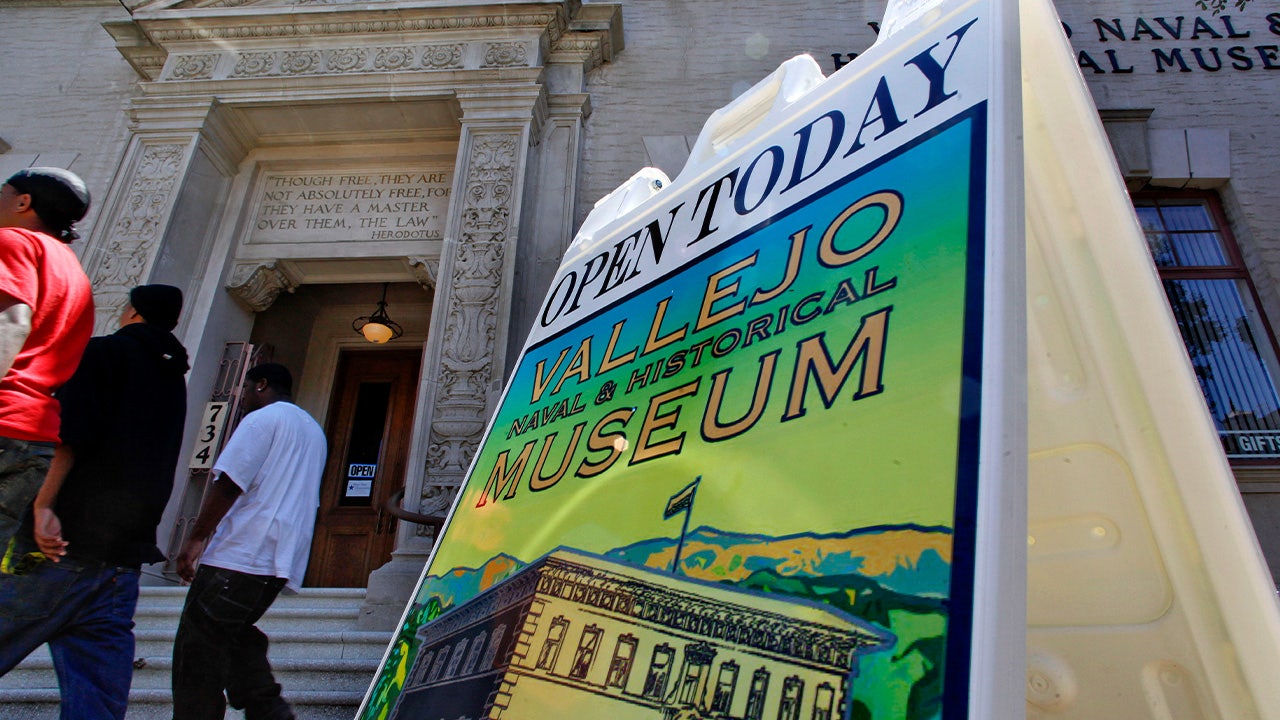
550,212
139,208
464,362
548,222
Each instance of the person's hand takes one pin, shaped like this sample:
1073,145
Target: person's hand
48,534
188,556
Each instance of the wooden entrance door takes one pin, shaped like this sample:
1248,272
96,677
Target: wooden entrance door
369,426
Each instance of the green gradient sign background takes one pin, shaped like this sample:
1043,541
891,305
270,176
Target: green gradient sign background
884,458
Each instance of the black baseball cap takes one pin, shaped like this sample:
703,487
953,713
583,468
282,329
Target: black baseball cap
59,197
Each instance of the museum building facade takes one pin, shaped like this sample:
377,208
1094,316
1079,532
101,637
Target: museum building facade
587,636
291,163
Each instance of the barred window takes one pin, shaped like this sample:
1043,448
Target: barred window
757,694
551,646
792,697
655,683
477,646
824,701
624,654
1225,333
725,685
424,665
588,644
459,651
495,643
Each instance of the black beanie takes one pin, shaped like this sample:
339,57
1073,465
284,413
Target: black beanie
159,305
59,198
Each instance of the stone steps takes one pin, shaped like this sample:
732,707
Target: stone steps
288,618
157,705
324,665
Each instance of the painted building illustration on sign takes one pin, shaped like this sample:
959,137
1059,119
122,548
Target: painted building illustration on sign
872,580
576,635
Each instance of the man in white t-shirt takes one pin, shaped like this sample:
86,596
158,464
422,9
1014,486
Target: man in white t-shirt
262,504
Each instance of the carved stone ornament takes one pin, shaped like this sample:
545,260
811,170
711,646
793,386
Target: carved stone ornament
436,499
393,59
398,58
193,67
254,63
471,316
346,60
135,232
257,285
425,270
241,3
442,57
232,28
487,210
366,37
300,62
590,49
506,54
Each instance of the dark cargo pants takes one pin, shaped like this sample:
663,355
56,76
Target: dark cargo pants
218,649
23,466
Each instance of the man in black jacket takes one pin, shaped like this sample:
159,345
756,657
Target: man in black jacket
94,521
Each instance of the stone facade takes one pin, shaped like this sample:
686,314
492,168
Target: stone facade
174,111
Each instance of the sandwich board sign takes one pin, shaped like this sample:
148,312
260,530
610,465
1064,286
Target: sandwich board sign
740,466
765,451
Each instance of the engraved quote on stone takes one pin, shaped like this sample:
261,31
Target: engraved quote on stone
351,206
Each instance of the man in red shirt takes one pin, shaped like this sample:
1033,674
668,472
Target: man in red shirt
46,318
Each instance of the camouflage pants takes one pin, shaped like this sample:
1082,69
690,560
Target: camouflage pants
23,466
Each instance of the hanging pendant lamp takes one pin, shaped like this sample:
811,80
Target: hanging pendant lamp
378,327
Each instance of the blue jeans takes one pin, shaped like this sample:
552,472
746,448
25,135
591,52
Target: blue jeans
219,650
84,610
23,466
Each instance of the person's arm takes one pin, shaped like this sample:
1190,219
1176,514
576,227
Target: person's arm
80,398
48,529
15,326
222,494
